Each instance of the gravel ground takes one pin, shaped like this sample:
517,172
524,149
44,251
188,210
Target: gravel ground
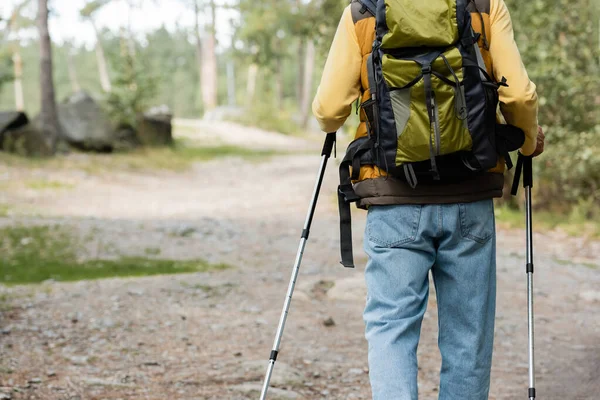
208,335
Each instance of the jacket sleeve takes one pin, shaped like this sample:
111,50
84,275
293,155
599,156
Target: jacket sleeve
518,101
340,83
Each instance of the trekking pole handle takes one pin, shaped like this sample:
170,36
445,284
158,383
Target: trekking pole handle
330,140
527,171
525,168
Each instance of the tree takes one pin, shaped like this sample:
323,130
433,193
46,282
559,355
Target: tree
15,23
562,53
48,115
88,13
72,68
209,62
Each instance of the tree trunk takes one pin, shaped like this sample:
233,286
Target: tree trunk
198,50
72,68
231,84
251,84
101,60
279,77
309,68
48,113
18,81
209,67
300,77
130,40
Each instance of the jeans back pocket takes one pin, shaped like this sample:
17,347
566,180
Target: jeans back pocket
477,220
393,226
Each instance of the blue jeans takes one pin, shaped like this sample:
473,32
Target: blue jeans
457,242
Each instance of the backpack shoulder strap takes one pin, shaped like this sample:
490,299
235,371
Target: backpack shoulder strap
362,9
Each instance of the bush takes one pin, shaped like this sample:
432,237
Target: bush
569,171
133,91
276,118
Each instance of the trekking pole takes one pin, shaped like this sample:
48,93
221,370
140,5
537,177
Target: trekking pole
325,155
528,184
525,165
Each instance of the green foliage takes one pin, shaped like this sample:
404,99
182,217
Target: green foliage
575,222
561,49
133,91
270,117
266,28
570,169
92,6
178,157
5,67
43,184
33,254
172,60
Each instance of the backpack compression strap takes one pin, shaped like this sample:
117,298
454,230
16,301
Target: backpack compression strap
347,196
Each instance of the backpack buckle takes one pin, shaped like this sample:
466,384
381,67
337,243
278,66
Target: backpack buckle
348,194
426,69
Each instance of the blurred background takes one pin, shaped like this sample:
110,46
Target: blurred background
156,161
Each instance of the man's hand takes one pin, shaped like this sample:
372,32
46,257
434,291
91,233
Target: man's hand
541,140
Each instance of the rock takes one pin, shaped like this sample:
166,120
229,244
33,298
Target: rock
136,292
50,374
79,360
252,309
329,322
355,371
27,140
155,127
125,139
283,375
185,231
349,289
5,396
10,120
75,317
84,124
254,389
108,323
151,364
102,382
35,381
7,330
590,296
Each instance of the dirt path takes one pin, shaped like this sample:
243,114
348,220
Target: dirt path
207,336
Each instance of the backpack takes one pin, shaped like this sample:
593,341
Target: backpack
432,112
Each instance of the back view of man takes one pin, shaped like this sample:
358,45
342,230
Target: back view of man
447,228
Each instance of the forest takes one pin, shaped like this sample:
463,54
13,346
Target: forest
157,158
265,72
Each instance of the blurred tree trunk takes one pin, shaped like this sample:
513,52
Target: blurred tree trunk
130,40
279,79
101,60
251,84
231,101
198,49
72,69
48,113
300,78
309,68
209,66
13,26
18,80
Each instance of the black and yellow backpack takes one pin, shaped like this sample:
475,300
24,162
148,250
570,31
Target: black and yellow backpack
432,112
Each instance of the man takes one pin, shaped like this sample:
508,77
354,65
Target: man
446,228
